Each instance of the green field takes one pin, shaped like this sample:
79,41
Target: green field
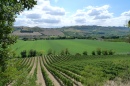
74,46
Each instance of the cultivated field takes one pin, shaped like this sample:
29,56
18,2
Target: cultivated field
74,46
79,70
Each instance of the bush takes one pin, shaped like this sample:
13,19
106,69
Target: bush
85,53
67,51
104,52
77,54
93,53
24,54
98,51
111,52
32,53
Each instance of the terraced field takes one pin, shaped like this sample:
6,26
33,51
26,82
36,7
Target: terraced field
78,70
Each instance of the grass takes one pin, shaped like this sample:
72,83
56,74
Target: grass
74,46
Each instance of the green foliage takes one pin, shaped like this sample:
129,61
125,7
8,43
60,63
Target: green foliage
62,52
24,54
129,23
93,53
111,52
92,70
67,51
93,76
49,52
32,53
104,52
85,53
98,51
77,54
8,11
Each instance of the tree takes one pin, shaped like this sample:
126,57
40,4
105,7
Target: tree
129,23
128,27
93,53
85,53
99,51
67,51
8,11
24,54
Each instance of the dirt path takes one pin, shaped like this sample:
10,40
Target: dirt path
34,66
55,82
40,79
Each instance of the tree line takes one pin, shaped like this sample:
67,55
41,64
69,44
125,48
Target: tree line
34,53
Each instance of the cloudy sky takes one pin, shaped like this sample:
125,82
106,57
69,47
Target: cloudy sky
58,13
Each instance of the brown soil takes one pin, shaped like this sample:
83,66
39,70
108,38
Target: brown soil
55,82
40,79
34,66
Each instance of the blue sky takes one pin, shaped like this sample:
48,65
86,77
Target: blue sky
58,13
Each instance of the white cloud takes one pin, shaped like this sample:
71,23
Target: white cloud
34,16
54,10
126,13
46,15
80,20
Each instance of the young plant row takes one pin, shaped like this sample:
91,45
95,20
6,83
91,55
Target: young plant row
72,75
45,76
62,79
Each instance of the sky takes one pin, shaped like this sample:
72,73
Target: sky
59,13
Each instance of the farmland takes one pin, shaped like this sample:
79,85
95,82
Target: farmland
76,70
79,70
74,46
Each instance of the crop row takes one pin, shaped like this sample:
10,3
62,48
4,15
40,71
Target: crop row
61,78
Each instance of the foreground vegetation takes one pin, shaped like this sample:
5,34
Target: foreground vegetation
70,70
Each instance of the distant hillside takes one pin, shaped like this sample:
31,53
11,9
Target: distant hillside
36,32
52,32
72,31
94,30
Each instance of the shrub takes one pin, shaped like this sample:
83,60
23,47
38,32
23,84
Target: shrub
85,53
77,54
32,53
24,54
111,52
93,53
104,52
67,51
98,51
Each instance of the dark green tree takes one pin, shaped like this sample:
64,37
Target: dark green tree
93,53
85,53
129,34
8,11
67,51
99,51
